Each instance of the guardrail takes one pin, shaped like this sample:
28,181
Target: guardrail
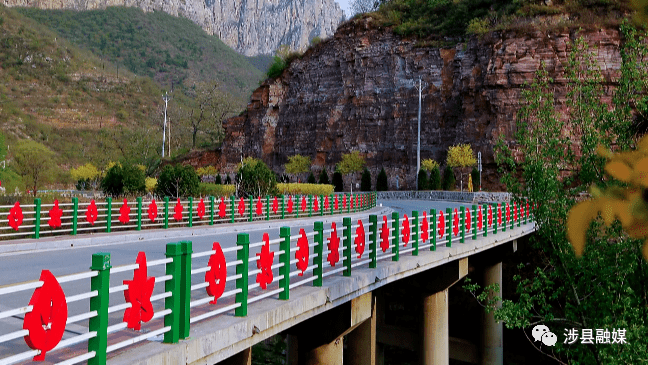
36,220
277,266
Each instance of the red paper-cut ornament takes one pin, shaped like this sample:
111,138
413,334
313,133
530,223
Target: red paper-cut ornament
515,212
303,203
333,246
217,274
47,319
326,203
92,213
384,235
124,212
241,206
490,216
275,205
138,295
468,219
15,216
480,218
302,253
360,239
259,207
425,228
337,203
344,202
351,201
406,231
508,213
200,209
55,215
222,208
527,210
266,257
152,211
290,205
178,211
315,205
441,224
499,215
356,202
455,223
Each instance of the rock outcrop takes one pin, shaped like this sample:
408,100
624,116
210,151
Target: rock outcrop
250,27
356,91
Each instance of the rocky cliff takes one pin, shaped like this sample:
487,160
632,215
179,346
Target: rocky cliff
251,27
356,91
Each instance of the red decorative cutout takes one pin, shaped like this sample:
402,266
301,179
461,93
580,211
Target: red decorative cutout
344,202
290,205
425,235
241,206
265,263
333,246
480,218
499,214
217,274
508,213
92,213
384,235
124,212
303,203
55,215
490,216
406,230
152,211
302,253
222,207
337,203
360,239
315,204
356,203
200,209
326,203
351,201
259,207
468,219
46,321
515,212
138,295
15,216
527,210
178,211
455,223
441,224
275,205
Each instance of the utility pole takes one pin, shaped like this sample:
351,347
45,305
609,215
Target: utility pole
418,143
166,101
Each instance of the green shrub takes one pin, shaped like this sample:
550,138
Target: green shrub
206,189
217,180
475,179
311,179
177,181
255,178
381,181
478,27
448,179
365,180
323,177
435,179
228,180
126,179
305,189
422,180
277,67
315,41
338,183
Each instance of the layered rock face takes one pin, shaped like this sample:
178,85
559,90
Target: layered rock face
356,91
251,27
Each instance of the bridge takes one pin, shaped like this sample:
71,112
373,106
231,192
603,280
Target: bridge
318,280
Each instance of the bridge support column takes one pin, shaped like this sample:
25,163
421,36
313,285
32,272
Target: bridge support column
361,345
436,336
492,349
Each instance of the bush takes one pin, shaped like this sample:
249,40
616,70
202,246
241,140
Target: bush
365,181
338,183
228,180
217,180
150,183
448,179
311,179
475,179
305,189
381,181
206,189
277,67
435,179
255,178
323,177
124,179
177,181
422,180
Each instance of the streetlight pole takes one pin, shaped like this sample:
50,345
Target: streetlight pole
166,101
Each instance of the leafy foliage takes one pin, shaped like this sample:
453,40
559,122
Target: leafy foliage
311,178
365,180
177,181
34,163
216,190
255,178
123,179
422,180
323,177
338,182
351,162
217,180
381,181
297,164
475,178
207,171
305,189
461,156
429,164
448,179
435,179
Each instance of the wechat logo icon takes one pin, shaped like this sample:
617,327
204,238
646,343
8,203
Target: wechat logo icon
542,333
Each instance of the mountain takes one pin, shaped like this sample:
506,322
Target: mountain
251,27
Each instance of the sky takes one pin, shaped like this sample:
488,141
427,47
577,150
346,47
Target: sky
344,4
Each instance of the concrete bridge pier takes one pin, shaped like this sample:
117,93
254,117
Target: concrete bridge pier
435,348
492,340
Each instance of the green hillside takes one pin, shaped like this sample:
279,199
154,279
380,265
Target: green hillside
169,49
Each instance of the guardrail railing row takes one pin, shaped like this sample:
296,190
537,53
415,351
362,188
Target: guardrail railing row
233,278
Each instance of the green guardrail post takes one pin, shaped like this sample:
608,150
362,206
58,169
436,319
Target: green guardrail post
513,215
373,240
449,226
267,207
526,211
396,236
349,203
321,205
495,209
284,258
75,215
250,208
462,223
297,205
232,209
519,213
173,268
211,210
433,214
185,288
504,222
166,212
283,206
108,214
190,211
319,253
332,203
139,213
310,206
243,241
485,219
347,246
415,232
99,303
37,217
473,219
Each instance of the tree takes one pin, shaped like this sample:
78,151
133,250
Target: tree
255,178
323,177
177,181
87,176
217,180
351,163
429,164
364,6
34,163
297,164
422,180
461,156
448,179
311,178
365,180
228,180
475,179
338,183
123,179
209,107
381,181
435,179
